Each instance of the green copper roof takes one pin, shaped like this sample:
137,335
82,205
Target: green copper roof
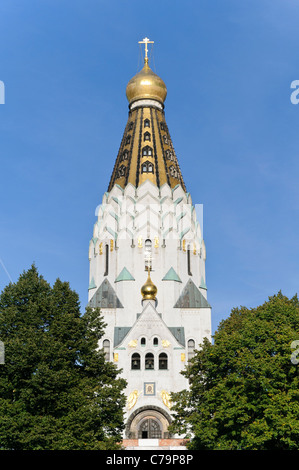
124,275
105,297
191,297
179,334
119,334
171,275
203,284
92,284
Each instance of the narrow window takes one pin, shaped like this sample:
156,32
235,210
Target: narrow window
147,123
143,342
106,347
148,253
135,362
149,361
156,341
147,136
106,260
189,261
191,349
163,359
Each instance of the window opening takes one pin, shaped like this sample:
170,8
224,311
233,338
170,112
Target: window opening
135,362
149,361
106,347
191,349
163,360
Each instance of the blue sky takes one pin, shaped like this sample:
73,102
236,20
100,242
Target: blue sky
228,66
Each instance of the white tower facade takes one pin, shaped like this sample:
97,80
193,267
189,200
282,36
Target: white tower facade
147,264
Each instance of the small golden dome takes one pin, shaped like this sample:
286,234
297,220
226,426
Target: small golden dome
149,290
146,85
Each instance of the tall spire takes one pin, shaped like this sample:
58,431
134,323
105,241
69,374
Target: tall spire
146,151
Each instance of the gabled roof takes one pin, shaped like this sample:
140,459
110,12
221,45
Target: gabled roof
119,334
149,318
191,297
124,275
171,275
105,297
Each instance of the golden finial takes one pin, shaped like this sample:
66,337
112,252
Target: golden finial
146,41
149,290
146,84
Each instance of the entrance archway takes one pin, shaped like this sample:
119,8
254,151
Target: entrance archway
148,423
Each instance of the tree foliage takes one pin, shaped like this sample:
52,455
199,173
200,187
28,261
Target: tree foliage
56,390
244,388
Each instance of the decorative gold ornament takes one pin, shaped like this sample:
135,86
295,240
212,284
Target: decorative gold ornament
132,399
115,357
183,357
149,290
101,248
165,343
166,398
140,245
194,249
156,242
133,343
111,245
184,245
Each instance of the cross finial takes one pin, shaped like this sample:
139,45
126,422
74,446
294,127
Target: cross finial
146,41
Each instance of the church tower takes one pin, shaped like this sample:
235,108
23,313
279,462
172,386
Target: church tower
147,264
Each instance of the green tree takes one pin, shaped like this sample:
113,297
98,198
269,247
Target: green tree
244,388
56,389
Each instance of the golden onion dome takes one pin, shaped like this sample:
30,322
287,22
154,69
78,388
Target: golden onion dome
146,85
149,290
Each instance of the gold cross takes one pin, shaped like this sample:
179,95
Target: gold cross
146,41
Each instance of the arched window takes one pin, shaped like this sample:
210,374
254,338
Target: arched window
148,253
106,347
191,349
147,136
149,361
163,361
143,341
135,361
147,123
147,167
156,341
147,151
